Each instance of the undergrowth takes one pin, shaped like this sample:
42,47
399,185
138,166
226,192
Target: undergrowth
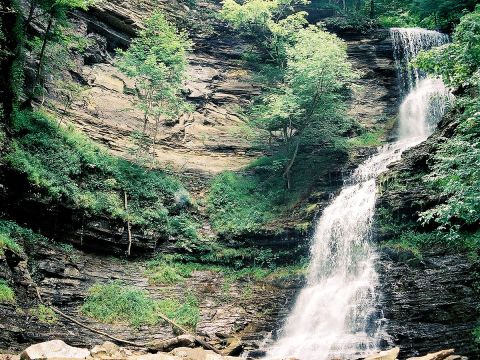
64,165
247,203
115,302
7,295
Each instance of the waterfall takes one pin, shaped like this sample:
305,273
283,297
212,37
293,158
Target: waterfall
335,314
407,43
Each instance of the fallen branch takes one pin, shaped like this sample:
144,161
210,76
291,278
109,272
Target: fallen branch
140,345
62,314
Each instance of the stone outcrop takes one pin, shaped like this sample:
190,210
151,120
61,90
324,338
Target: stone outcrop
428,302
54,349
235,317
391,354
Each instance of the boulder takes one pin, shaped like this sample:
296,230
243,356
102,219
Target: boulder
9,357
385,355
54,349
109,350
157,356
440,355
198,354
170,344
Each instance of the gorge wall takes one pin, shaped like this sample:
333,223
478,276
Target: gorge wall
427,304
429,301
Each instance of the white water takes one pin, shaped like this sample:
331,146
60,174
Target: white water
335,313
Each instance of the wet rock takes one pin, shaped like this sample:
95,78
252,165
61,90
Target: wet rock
55,349
385,355
440,355
9,357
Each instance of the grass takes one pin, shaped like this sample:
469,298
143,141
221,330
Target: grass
7,243
117,303
114,302
7,295
185,312
65,166
249,203
171,270
367,139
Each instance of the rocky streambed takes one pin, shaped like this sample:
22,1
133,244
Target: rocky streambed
182,347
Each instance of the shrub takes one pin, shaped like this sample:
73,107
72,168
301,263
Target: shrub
115,302
7,295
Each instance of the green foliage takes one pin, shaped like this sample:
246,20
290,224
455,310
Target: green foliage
116,302
237,204
233,264
456,176
66,166
185,312
7,243
44,314
367,139
249,203
156,59
272,24
455,171
457,63
308,107
7,295
12,235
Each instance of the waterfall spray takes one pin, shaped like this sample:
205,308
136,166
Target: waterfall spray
335,314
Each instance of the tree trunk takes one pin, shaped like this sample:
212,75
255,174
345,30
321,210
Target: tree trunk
286,174
8,46
129,230
41,58
372,9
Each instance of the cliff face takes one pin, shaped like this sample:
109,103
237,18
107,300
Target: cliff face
205,141
240,312
429,302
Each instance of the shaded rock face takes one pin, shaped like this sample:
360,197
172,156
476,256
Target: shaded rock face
430,303
430,306
245,309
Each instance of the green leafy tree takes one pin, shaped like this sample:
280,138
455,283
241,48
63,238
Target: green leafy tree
308,108
272,24
54,13
156,59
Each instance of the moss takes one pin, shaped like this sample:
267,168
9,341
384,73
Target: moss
7,295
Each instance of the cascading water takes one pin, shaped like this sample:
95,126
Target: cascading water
335,313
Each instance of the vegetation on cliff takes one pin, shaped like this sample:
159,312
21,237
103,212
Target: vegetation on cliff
452,173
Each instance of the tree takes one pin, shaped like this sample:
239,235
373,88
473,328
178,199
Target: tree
156,59
272,24
308,107
54,12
